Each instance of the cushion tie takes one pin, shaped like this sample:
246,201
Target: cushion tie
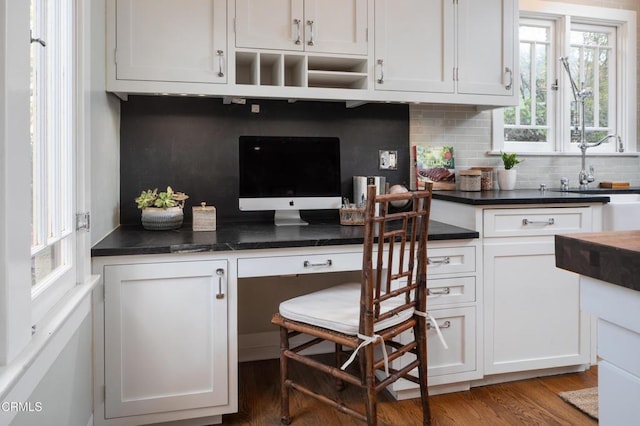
367,340
435,325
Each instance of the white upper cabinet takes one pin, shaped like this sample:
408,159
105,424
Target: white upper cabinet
273,24
358,51
414,45
464,47
172,41
486,43
326,26
336,26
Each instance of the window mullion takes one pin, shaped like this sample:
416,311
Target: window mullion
594,86
69,114
532,84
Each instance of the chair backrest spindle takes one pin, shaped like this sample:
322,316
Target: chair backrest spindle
400,239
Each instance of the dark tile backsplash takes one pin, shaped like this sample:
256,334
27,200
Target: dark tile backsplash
192,145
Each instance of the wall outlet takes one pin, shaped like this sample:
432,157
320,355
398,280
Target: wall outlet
388,160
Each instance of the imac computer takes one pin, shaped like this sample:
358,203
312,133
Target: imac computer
289,174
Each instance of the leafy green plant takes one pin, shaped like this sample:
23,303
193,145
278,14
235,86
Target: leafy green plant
509,160
165,199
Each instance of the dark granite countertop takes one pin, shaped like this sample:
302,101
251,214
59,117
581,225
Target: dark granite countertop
613,256
527,196
133,240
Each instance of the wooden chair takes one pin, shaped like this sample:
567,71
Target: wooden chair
365,317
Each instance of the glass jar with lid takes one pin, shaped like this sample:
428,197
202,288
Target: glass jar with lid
486,179
470,180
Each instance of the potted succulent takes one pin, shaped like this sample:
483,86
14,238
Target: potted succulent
507,176
161,210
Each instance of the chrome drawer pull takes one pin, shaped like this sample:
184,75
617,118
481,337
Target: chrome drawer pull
296,22
446,324
308,264
549,221
445,290
510,84
220,273
381,63
311,41
445,261
220,55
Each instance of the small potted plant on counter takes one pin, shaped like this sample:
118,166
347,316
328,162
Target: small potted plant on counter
161,211
507,176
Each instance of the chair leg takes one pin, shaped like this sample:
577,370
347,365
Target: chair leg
420,332
366,364
339,383
285,418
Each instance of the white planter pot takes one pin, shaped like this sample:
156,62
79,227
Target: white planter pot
159,219
507,179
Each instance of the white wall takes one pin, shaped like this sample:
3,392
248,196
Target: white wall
105,136
65,390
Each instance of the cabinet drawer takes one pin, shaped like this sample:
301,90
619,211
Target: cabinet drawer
447,291
302,264
458,327
529,222
449,260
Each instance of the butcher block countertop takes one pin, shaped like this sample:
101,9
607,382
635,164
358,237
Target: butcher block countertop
613,257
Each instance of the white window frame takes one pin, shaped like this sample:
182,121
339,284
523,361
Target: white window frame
613,106
550,144
22,344
626,75
55,140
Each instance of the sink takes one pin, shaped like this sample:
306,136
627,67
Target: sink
624,198
621,213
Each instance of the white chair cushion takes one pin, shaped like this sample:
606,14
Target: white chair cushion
338,308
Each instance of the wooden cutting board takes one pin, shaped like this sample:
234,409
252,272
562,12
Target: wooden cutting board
614,184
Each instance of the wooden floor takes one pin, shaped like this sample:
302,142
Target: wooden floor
526,402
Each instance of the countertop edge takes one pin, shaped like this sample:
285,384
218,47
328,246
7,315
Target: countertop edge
131,241
520,197
600,260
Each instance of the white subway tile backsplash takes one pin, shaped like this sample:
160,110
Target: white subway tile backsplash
469,132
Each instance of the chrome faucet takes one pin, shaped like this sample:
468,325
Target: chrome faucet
580,96
584,177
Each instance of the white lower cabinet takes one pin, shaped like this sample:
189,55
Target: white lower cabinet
166,342
533,311
452,303
533,319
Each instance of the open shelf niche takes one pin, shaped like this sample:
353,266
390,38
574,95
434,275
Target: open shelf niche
300,70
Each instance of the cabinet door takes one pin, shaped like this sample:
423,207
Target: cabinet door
165,337
414,45
486,42
270,24
336,26
165,40
532,320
